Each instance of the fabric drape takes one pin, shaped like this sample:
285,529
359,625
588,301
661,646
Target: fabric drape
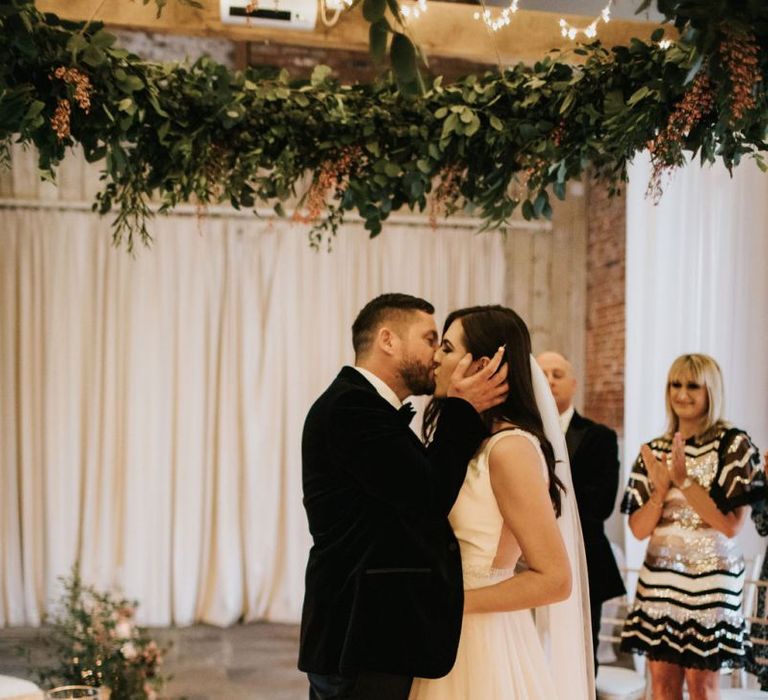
152,406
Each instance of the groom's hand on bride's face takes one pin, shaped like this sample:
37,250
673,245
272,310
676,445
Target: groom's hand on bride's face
485,388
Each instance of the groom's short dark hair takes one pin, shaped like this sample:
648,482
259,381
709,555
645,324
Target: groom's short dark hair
384,307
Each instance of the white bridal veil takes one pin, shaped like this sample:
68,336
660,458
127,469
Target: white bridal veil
565,628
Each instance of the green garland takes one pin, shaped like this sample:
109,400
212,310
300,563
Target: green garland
490,143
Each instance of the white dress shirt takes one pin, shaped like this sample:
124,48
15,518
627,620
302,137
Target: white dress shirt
565,418
381,387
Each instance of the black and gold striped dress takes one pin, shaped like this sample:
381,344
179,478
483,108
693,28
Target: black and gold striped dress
687,609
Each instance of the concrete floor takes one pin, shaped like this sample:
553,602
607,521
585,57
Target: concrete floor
244,662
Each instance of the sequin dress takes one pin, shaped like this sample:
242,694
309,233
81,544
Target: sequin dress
688,609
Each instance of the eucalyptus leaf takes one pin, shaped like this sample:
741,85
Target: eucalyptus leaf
473,127
76,42
378,35
392,169
373,10
638,95
320,74
467,115
450,124
103,40
403,56
93,56
423,165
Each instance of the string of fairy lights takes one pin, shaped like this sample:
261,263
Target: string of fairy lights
495,21
503,18
589,31
498,21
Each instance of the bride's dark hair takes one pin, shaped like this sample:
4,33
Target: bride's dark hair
485,329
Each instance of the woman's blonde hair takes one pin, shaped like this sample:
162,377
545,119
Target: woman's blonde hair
703,370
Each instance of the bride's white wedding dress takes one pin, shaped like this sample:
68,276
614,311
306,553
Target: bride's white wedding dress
500,655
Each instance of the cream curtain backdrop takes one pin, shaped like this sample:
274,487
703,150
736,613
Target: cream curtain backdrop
152,406
697,281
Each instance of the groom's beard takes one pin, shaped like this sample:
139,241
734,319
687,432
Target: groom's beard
419,378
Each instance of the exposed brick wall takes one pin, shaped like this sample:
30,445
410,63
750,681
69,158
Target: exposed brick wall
155,46
606,311
347,66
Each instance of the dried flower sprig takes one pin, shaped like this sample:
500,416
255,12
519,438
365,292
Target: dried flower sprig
666,147
739,52
333,177
445,196
61,119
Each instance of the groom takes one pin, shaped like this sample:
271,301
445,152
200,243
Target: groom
383,600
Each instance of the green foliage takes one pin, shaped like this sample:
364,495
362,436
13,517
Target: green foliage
94,641
488,143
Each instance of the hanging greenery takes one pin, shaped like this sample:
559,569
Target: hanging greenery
487,143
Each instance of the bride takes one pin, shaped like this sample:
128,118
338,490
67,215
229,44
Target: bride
515,504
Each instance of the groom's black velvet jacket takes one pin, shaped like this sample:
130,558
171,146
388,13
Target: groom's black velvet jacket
383,582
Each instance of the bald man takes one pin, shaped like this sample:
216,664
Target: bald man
594,453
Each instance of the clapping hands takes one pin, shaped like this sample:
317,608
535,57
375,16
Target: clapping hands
664,472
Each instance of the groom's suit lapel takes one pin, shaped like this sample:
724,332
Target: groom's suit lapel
351,375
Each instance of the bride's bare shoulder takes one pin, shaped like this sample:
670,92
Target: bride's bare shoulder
513,446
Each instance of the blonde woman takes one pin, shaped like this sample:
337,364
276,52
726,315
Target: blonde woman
688,491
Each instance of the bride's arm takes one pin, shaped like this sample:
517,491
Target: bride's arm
523,498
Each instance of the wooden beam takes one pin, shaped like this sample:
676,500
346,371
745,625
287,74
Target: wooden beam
446,29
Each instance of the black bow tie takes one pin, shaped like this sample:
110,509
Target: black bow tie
406,412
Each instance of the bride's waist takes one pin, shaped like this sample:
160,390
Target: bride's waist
479,575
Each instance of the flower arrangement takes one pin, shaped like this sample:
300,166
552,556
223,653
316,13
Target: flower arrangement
92,639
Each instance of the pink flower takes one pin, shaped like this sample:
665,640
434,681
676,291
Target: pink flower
124,629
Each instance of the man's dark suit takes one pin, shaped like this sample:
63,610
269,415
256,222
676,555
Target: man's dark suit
594,454
383,581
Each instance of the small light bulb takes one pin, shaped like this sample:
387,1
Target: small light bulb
572,33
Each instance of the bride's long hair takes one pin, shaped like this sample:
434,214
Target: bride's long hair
485,328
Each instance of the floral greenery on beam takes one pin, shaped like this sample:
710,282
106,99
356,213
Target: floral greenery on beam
488,144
